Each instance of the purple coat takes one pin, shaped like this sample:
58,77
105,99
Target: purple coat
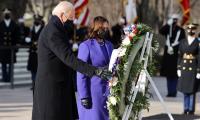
95,88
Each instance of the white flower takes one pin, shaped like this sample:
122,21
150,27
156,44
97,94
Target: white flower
113,100
108,104
113,81
126,41
122,52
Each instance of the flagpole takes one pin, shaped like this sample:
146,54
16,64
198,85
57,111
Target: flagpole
171,6
170,13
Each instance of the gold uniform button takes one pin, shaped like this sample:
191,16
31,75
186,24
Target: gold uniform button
185,61
184,68
190,61
190,68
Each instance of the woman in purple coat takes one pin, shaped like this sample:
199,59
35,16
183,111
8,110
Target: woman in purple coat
92,92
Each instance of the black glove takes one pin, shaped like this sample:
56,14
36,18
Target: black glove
103,73
86,103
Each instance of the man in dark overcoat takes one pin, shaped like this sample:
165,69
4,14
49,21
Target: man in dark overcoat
9,35
54,97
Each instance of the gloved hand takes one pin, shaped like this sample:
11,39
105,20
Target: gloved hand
170,50
179,73
198,76
170,21
175,43
74,47
27,39
103,73
86,103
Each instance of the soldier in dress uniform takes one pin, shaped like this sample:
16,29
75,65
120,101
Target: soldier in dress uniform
32,59
173,34
189,68
24,32
9,35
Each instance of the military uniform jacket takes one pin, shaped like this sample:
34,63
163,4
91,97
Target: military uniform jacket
54,97
8,37
188,63
24,32
169,62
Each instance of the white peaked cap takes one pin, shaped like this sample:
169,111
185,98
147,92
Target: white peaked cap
175,16
121,20
192,26
6,11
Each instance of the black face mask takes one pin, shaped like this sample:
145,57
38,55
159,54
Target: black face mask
7,16
191,33
102,34
69,26
36,23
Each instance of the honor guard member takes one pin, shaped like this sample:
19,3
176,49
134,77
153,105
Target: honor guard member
188,68
173,34
32,59
8,37
24,32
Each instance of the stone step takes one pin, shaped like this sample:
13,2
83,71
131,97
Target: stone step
20,67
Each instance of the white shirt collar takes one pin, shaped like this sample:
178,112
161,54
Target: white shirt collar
37,28
190,39
7,22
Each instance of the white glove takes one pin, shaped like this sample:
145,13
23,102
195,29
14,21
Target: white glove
175,43
198,76
74,47
27,39
179,73
170,21
170,50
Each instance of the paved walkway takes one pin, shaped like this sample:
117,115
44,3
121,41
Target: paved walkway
175,105
16,104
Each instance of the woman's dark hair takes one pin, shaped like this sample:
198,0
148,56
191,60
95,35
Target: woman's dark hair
96,25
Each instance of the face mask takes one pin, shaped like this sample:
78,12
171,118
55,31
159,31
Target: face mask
191,32
69,26
7,16
36,23
102,33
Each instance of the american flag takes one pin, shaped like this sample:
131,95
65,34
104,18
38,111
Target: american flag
82,12
185,4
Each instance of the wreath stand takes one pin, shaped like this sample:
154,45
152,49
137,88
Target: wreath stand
143,77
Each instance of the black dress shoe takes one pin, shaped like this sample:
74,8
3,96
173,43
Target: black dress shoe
185,112
191,112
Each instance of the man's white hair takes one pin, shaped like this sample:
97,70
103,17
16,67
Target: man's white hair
62,7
